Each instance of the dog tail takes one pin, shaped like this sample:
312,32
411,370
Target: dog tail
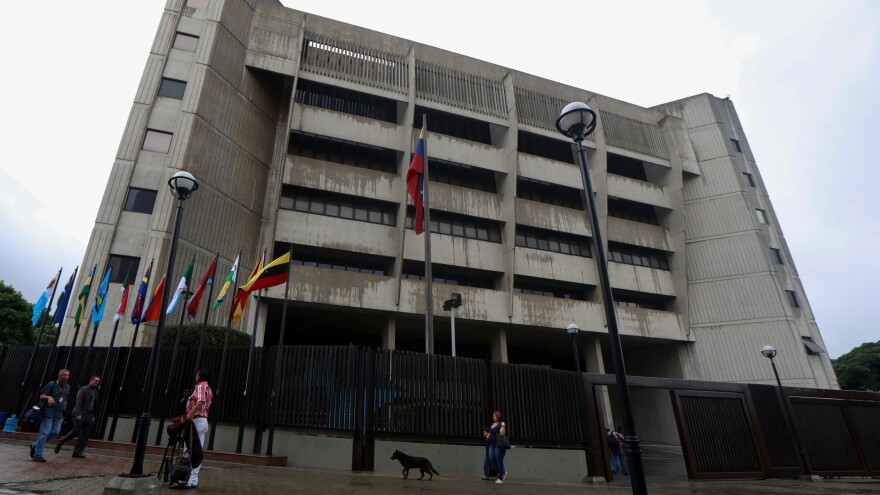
434,470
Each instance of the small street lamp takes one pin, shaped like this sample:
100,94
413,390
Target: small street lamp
182,185
577,121
573,330
769,352
450,305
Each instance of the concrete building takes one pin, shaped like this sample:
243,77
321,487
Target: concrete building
300,130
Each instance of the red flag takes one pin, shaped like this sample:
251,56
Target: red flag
241,296
193,307
415,177
122,304
155,307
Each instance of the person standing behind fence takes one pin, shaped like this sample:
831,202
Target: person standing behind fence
495,455
615,448
83,417
53,397
197,407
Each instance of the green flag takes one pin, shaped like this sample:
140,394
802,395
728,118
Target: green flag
83,295
181,287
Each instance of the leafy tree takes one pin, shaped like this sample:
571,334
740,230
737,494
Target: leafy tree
859,369
15,317
214,336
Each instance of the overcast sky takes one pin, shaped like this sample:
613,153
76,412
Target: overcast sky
804,77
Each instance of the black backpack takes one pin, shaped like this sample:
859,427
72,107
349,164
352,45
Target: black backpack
613,442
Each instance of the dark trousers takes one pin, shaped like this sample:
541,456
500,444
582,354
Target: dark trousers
81,429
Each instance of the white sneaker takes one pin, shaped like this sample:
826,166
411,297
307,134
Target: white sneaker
499,481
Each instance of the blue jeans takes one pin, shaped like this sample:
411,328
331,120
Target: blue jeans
495,456
618,460
49,429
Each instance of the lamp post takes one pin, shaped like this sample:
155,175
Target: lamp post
769,352
577,121
450,305
182,184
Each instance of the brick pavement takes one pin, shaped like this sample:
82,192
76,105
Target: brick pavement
64,475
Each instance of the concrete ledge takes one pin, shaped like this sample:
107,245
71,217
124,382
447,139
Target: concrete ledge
210,455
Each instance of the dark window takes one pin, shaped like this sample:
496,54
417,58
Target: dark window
122,265
342,151
186,42
459,174
172,88
548,240
158,141
554,149
811,346
545,192
453,125
140,200
792,299
627,167
337,205
549,288
636,255
197,4
736,145
314,257
750,178
459,225
346,100
777,256
631,210
453,275
762,216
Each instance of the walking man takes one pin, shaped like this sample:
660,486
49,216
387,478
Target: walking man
83,416
53,398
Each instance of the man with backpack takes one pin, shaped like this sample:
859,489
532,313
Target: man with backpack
83,416
615,447
53,398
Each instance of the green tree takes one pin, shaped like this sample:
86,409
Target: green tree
214,336
859,369
15,317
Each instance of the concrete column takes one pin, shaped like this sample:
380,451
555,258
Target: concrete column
499,346
389,336
592,353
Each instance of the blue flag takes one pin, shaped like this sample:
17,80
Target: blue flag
137,312
98,308
41,302
63,299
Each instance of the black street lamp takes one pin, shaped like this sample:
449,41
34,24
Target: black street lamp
577,121
769,352
182,184
450,305
573,330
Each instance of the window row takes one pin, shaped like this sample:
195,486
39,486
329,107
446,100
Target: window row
553,149
547,240
342,151
444,274
639,256
453,125
346,101
459,174
548,288
631,210
337,205
551,194
310,256
459,225
626,167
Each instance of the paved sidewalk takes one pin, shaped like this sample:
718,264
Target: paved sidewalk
65,475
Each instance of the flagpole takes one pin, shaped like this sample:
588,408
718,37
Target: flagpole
215,417
54,352
107,271
104,378
247,378
277,375
85,301
44,315
207,311
429,279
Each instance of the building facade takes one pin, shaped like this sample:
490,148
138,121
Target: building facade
300,130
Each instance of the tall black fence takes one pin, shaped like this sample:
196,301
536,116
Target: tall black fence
368,394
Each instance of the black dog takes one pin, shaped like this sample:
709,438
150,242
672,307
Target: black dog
409,462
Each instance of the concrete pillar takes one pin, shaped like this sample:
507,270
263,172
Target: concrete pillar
592,352
499,346
389,336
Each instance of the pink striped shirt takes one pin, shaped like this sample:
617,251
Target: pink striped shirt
202,393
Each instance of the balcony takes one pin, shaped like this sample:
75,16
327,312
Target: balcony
638,234
637,190
457,251
339,288
465,201
555,266
554,312
346,126
344,179
650,323
463,151
481,304
551,217
336,233
536,167
640,279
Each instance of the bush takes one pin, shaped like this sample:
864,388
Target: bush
214,336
